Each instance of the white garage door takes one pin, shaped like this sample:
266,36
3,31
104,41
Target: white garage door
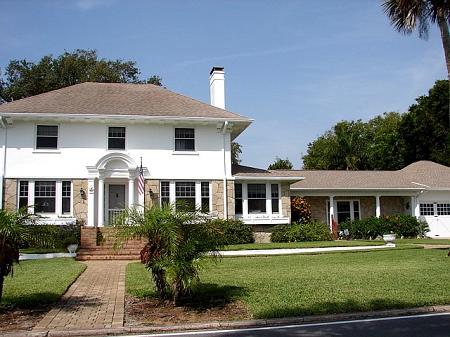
437,215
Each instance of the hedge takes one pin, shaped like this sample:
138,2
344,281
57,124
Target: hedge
61,235
312,231
234,232
402,225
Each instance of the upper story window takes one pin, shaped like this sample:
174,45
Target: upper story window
184,139
47,137
116,138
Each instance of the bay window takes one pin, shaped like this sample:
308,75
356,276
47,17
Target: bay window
238,199
45,196
256,194
186,195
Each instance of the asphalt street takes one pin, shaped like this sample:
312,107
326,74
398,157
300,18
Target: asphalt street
429,325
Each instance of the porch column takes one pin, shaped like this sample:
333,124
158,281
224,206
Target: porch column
130,192
91,203
331,211
101,202
416,207
377,206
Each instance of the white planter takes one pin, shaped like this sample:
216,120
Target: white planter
72,248
389,238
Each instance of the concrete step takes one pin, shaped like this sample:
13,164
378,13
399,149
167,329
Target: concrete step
107,257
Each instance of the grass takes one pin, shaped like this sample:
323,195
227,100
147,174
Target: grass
42,250
40,282
280,286
424,241
308,244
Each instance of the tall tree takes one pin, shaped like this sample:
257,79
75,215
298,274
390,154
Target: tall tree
236,151
24,78
410,15
281,164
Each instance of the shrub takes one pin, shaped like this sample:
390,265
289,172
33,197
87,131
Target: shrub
301,209
62,235
311,231
370,228
234,231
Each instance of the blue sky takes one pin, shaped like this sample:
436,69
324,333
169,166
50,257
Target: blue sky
296,67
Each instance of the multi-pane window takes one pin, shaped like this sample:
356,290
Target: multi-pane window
23,194
45,196
256,198
443,209
66,193
184,139
238,198
275,198
356,210
185,195
46,137
165,193
205,196
427,209
116,138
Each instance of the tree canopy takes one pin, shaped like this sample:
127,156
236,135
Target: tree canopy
236,151
23,78
281,164
389,141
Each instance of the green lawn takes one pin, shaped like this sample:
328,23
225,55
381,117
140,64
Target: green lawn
308,244
38,282
424,241
279,286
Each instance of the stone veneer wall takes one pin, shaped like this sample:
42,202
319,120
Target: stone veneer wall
217,198
394,205
153,185
10,194
318,208
285,200
80,205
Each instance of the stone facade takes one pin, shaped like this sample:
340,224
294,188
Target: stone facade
80,204
217,198
285,200
318,208
10,194
151,199
394,205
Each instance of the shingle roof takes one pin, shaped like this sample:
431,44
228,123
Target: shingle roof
419,175
413,176
117,99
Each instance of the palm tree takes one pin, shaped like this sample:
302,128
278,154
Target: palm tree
176,242
16,229
409,15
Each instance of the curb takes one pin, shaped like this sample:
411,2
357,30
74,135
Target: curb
256,323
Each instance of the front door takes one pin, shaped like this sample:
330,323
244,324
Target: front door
116,201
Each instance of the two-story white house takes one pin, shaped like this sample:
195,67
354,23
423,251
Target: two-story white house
76,153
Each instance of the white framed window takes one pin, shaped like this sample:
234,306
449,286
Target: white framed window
345,210
443,209
190,195
256,195
48,197
116,138
426,209
238,200
275,195
184,139
46,137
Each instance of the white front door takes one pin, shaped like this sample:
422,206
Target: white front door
116,201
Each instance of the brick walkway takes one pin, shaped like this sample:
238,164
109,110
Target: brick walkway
95,301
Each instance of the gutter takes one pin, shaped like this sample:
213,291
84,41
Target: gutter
225,187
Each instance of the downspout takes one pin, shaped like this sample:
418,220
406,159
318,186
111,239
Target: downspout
225,192
4,125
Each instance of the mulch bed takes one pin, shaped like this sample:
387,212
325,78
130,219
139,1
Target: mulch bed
151,311
15,319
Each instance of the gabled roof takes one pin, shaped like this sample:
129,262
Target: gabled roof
117,99
419,175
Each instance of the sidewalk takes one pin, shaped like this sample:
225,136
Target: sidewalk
94,301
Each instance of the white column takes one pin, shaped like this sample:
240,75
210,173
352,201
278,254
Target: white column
377,206
331,211
416,207
244,200
91,202
101,198
130,192
412,206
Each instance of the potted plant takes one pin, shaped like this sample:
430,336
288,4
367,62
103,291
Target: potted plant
389,238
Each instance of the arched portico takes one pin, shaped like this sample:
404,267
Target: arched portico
111,187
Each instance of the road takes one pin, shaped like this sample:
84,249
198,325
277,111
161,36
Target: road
429,325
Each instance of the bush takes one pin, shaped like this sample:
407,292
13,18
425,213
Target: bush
295,232
370,228
61,235
301,209
234,231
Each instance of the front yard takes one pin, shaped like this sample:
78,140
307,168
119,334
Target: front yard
280,286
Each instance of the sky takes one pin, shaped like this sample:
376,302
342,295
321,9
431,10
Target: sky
295,67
